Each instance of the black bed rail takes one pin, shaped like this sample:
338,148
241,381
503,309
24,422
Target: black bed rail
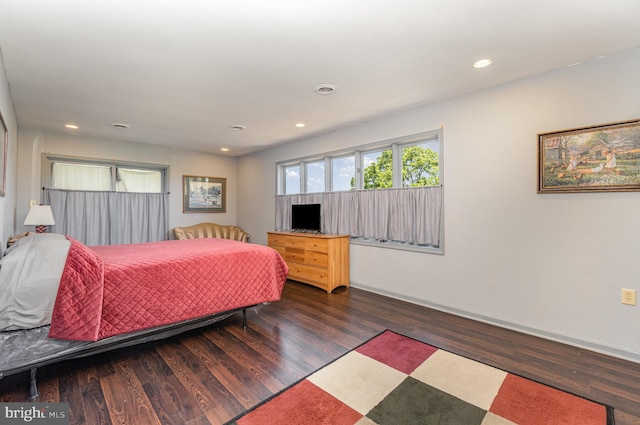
121,341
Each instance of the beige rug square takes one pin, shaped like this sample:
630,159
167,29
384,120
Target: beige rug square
473,382
358,381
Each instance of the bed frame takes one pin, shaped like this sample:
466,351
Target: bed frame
80,295
81,349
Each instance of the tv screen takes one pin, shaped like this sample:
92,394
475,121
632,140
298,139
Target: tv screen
305,217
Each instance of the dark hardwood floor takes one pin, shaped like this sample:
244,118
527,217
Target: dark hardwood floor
209,376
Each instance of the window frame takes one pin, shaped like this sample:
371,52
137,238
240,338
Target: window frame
49,159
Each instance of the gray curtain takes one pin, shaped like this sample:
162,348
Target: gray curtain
109,218
408,215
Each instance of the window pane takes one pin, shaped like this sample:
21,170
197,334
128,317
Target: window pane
69,176
344,173
136,180
378,169
420,165
315,177
292,179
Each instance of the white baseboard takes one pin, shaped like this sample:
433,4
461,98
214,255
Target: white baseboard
565,339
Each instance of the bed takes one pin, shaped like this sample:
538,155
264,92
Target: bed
60,299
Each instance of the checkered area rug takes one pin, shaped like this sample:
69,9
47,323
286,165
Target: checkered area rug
393,379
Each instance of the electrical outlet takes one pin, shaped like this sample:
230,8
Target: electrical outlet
629,296
32,203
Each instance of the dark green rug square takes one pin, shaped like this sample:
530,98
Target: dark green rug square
414,402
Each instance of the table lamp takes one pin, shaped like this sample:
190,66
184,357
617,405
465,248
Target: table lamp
41,217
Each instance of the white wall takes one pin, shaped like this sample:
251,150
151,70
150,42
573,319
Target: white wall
8,201
551,264
32,143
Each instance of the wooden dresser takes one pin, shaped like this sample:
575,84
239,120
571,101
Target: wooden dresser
317,259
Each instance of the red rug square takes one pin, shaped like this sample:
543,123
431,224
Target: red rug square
302,404
398,351
527,402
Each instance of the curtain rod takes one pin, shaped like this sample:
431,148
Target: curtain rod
104,191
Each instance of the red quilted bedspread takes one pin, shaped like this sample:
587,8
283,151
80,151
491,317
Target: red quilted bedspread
110,290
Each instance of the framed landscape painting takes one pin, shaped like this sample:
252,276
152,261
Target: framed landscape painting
204,194
599,158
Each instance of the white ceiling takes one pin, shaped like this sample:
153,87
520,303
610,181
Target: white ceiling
181,72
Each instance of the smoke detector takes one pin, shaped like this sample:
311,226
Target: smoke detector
325,89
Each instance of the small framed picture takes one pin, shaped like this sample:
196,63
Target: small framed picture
204,194
599,158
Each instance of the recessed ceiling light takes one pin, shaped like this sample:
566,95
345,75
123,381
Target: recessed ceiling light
224,149
301,124
482,63
237,127
325,89
120,125
72,126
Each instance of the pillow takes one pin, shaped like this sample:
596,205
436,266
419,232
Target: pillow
15,238
30,274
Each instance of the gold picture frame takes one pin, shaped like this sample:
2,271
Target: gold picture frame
591,159
4,133
204,194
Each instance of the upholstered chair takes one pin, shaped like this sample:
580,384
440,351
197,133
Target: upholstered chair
211,230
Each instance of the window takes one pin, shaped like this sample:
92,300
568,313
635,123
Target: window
411,161
292,179
138,180
315,176
343,172
78,176
420,164
128,201
386,194
67,173
378,169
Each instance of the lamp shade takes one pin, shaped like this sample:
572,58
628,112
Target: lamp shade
40,215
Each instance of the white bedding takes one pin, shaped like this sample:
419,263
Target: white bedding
30,274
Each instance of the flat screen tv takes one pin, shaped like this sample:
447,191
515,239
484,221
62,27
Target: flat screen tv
305,218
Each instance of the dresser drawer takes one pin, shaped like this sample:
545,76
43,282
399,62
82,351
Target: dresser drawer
277,240
294,255
280,249
309,274
294,242
317,245
317,259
